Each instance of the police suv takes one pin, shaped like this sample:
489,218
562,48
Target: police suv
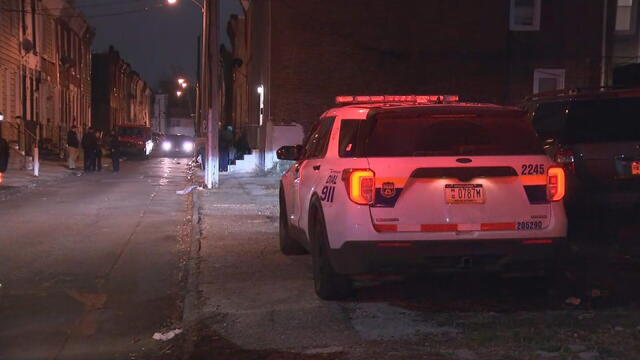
406,183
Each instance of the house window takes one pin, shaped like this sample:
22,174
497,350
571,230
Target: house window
545,80
525,15
625,16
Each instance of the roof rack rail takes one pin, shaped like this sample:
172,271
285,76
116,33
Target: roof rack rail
580,91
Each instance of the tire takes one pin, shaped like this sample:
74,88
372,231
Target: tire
328,284
288,245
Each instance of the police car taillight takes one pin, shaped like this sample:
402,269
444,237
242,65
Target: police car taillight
556,183
409,99
360,185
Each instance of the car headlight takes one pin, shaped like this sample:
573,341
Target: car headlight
166,146
187,146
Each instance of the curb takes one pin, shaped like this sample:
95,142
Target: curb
191,299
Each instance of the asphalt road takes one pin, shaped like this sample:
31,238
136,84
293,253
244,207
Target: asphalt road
92,266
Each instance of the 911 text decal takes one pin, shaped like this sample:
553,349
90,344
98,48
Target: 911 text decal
532,169
329,189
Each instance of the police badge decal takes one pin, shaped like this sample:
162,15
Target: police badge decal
388,189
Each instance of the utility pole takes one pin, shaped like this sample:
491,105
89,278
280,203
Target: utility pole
212,97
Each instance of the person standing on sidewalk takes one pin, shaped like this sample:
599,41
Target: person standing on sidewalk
4,157
98,152
73,146
89,145
114,148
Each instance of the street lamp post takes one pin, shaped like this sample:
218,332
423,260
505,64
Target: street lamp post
209,89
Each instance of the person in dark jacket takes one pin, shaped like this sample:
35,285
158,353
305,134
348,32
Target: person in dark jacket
89,145
98,153
73,146
114,148
4,157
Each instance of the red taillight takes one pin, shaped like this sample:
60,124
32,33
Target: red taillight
556,183
537,241
360,184
1,177
566,158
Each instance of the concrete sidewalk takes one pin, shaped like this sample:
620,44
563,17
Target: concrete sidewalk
16,181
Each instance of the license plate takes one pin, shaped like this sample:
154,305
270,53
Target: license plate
464,193
635,168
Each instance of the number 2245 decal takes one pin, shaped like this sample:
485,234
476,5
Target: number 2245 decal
532,169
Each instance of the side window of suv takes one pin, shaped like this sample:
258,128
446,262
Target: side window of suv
318,141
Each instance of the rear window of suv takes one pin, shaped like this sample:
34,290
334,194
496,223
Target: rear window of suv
407,135
589,121
607,120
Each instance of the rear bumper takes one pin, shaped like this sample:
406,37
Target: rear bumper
623,193
509,256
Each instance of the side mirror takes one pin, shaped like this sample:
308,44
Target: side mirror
289,153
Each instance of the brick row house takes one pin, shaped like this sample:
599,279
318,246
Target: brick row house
120,96
45,72
296,56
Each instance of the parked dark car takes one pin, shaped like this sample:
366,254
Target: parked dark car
595,134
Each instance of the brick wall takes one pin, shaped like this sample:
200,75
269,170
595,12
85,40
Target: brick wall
324,48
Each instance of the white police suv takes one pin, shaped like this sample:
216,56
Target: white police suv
406,183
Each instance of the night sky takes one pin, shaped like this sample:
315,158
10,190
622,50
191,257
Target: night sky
159,42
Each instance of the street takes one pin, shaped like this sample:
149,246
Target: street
91,266
94,265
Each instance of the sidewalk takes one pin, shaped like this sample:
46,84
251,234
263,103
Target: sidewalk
16,181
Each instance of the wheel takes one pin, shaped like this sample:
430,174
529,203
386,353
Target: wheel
328,284
288,245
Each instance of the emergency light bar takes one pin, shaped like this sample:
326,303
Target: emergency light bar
412,99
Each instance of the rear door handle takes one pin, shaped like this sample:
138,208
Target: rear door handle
316,167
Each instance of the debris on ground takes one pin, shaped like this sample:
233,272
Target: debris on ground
464,354
573,301
589,355
166,336
186,190
576,348
547,355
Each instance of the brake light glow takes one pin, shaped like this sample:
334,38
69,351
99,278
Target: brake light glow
412,99
360,184
556,183
537,241
394,244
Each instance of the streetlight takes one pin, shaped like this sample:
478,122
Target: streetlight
181,81
184,85
208,85
178,93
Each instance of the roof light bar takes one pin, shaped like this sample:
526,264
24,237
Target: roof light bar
413,99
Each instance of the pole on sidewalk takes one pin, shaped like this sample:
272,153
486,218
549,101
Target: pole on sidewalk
36,155
212,68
